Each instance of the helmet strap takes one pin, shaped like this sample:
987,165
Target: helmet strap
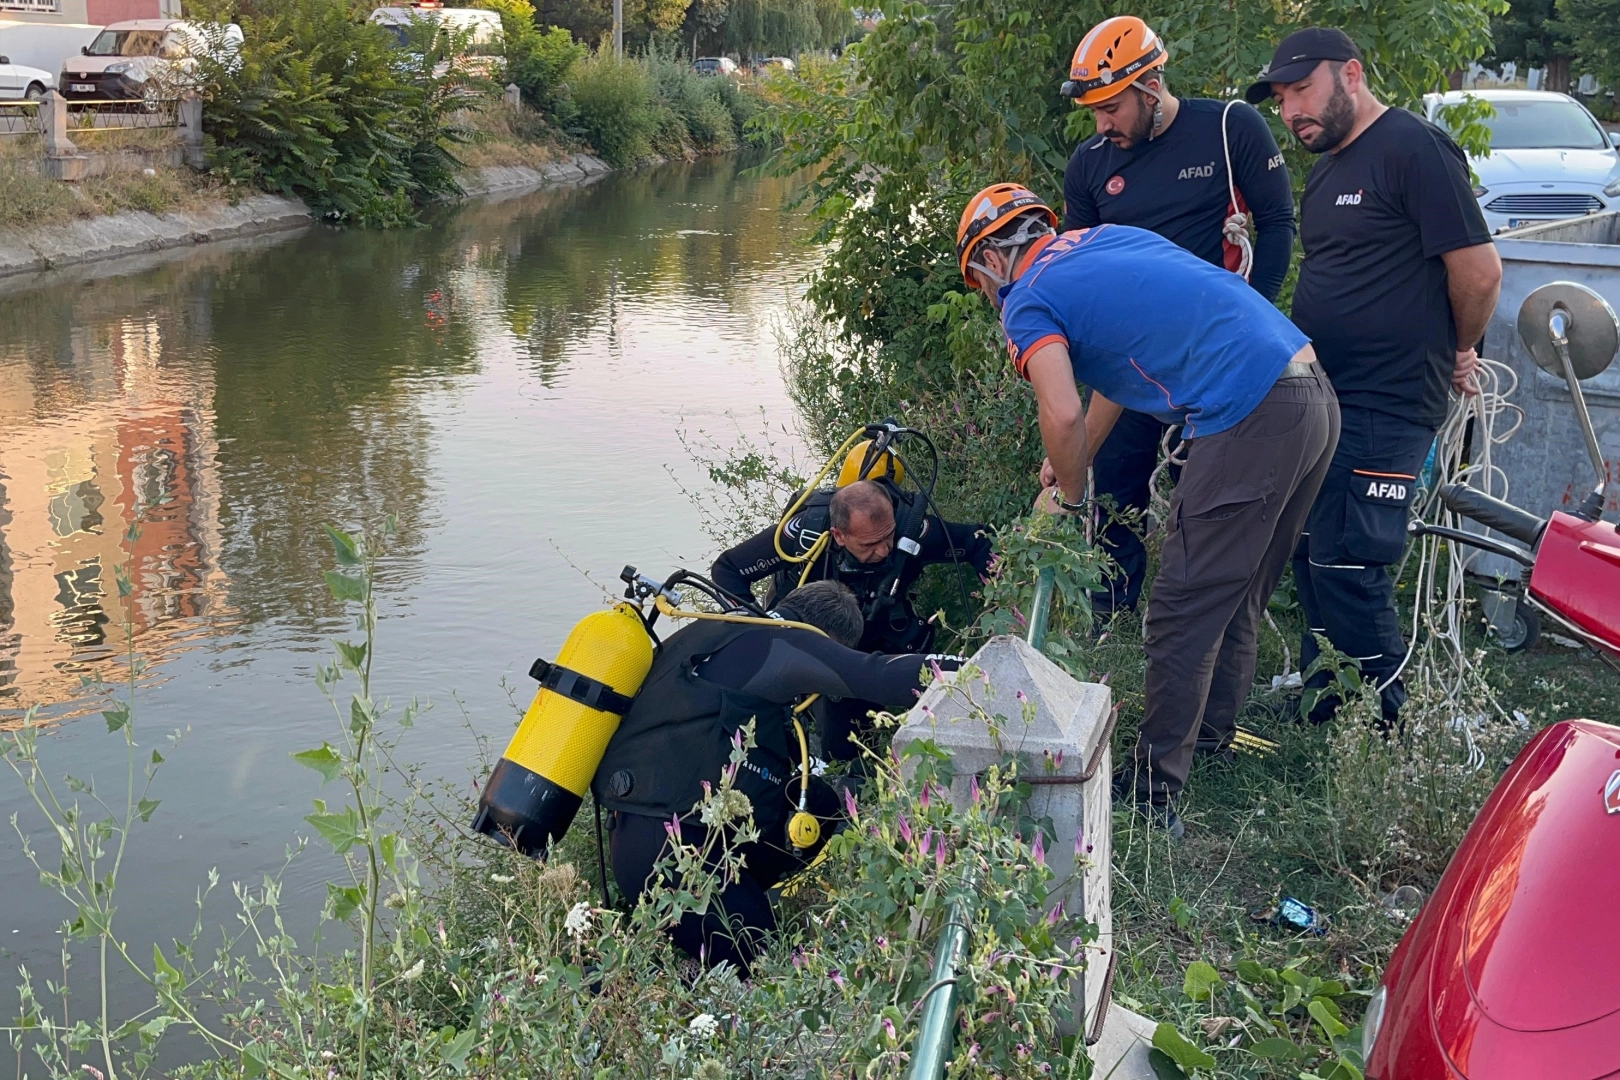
1158,109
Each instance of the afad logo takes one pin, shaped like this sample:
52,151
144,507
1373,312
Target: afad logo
1115,185
1349,200
1197,172
1380,489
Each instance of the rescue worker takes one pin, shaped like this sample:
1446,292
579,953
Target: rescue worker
862,556
1192,170
1259,419
1399,280
707,681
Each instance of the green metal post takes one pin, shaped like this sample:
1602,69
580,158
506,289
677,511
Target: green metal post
934,1034
1041,608
938,1026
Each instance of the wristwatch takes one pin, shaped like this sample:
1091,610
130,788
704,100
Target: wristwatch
1073,508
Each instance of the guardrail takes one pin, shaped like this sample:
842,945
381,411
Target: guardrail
62,125
936,1030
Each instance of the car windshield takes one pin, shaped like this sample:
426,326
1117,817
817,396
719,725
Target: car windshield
126,43
1544,125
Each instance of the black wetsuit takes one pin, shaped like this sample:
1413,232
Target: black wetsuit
896,628
708,680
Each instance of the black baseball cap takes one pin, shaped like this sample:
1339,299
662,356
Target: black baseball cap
1298,56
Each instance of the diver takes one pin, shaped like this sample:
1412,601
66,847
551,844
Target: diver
868,551
708,680
866,545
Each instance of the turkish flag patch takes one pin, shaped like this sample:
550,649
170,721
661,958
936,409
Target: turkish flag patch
1115,185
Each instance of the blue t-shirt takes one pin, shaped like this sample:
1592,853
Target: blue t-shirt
1151,326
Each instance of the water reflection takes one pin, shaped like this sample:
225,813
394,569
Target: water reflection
197,422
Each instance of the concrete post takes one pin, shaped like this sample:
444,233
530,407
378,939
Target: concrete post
513,96
62,159
1070,719
1074,719
191,130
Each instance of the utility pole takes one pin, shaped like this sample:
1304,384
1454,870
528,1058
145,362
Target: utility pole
618,29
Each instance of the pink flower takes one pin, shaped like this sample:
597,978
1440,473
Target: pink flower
1079,842
1055,914
1023,698
939,676
1060,757
973,786
905,829
1022,1051
1104,680
707,790
674,827
1040,848
888,1027
798,959
838,980
923,801
927,843
737,739
1019,615
849,804
973,1052
939,853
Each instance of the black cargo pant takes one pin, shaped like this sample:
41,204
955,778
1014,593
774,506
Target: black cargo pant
1355,531
1236,515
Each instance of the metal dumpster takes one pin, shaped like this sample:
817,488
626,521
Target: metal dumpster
1545,463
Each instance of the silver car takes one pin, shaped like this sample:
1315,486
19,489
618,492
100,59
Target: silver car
1549,158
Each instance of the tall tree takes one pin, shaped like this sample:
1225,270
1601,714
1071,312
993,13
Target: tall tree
1531,35
1593,28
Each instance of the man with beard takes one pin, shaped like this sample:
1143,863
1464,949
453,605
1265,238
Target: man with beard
1399,280
1188,169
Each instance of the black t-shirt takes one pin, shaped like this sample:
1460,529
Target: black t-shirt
1375,220
1175,185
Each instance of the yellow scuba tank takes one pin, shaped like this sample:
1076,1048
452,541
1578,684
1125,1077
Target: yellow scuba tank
537,787
885,467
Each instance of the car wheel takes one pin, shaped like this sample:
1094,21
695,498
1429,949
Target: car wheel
34,92
151,97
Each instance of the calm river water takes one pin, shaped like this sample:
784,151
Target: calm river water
512,382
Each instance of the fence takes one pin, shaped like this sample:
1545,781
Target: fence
71,133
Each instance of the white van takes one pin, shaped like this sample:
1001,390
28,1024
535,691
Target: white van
142,60
483,26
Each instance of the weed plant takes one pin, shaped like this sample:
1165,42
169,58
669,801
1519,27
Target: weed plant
458,957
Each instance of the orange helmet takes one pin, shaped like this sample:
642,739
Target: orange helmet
990,211
1110,58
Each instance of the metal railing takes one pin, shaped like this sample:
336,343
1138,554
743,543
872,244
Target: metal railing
937,1028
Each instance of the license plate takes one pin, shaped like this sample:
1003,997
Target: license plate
82,87
1515,222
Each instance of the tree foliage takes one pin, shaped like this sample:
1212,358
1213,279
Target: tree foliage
1593,28
943,98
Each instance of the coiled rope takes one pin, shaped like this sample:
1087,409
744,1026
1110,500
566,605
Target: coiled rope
1236,227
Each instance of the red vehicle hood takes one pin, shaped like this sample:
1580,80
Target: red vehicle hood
1513,969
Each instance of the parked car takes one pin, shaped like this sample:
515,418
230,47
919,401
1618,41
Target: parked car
20,81
715,65
1549,158
486,48
44,45
142,60
777,62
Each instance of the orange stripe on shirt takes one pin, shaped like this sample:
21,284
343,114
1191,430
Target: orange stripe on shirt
1021,359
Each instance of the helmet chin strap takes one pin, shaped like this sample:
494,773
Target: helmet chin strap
1011,248
1158,111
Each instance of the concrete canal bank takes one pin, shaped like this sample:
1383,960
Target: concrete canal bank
88,240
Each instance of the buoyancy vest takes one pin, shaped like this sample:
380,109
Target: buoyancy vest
678,734
891,627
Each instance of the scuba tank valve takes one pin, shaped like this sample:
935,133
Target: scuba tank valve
537,787
803,829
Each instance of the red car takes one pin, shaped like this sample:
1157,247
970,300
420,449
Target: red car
1512,971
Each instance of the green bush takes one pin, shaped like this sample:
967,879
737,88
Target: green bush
323,107
614,103
702,120
537,60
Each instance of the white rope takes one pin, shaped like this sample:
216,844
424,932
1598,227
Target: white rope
1440,655
1236,227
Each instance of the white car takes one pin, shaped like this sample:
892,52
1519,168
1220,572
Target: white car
20,81
143,59
1549,158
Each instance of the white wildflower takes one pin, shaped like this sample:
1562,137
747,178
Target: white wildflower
502,879
413,972
578,922
726,806
703,1026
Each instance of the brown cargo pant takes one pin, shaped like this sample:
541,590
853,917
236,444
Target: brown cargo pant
1234,521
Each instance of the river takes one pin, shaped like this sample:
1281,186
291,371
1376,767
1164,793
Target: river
513,382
